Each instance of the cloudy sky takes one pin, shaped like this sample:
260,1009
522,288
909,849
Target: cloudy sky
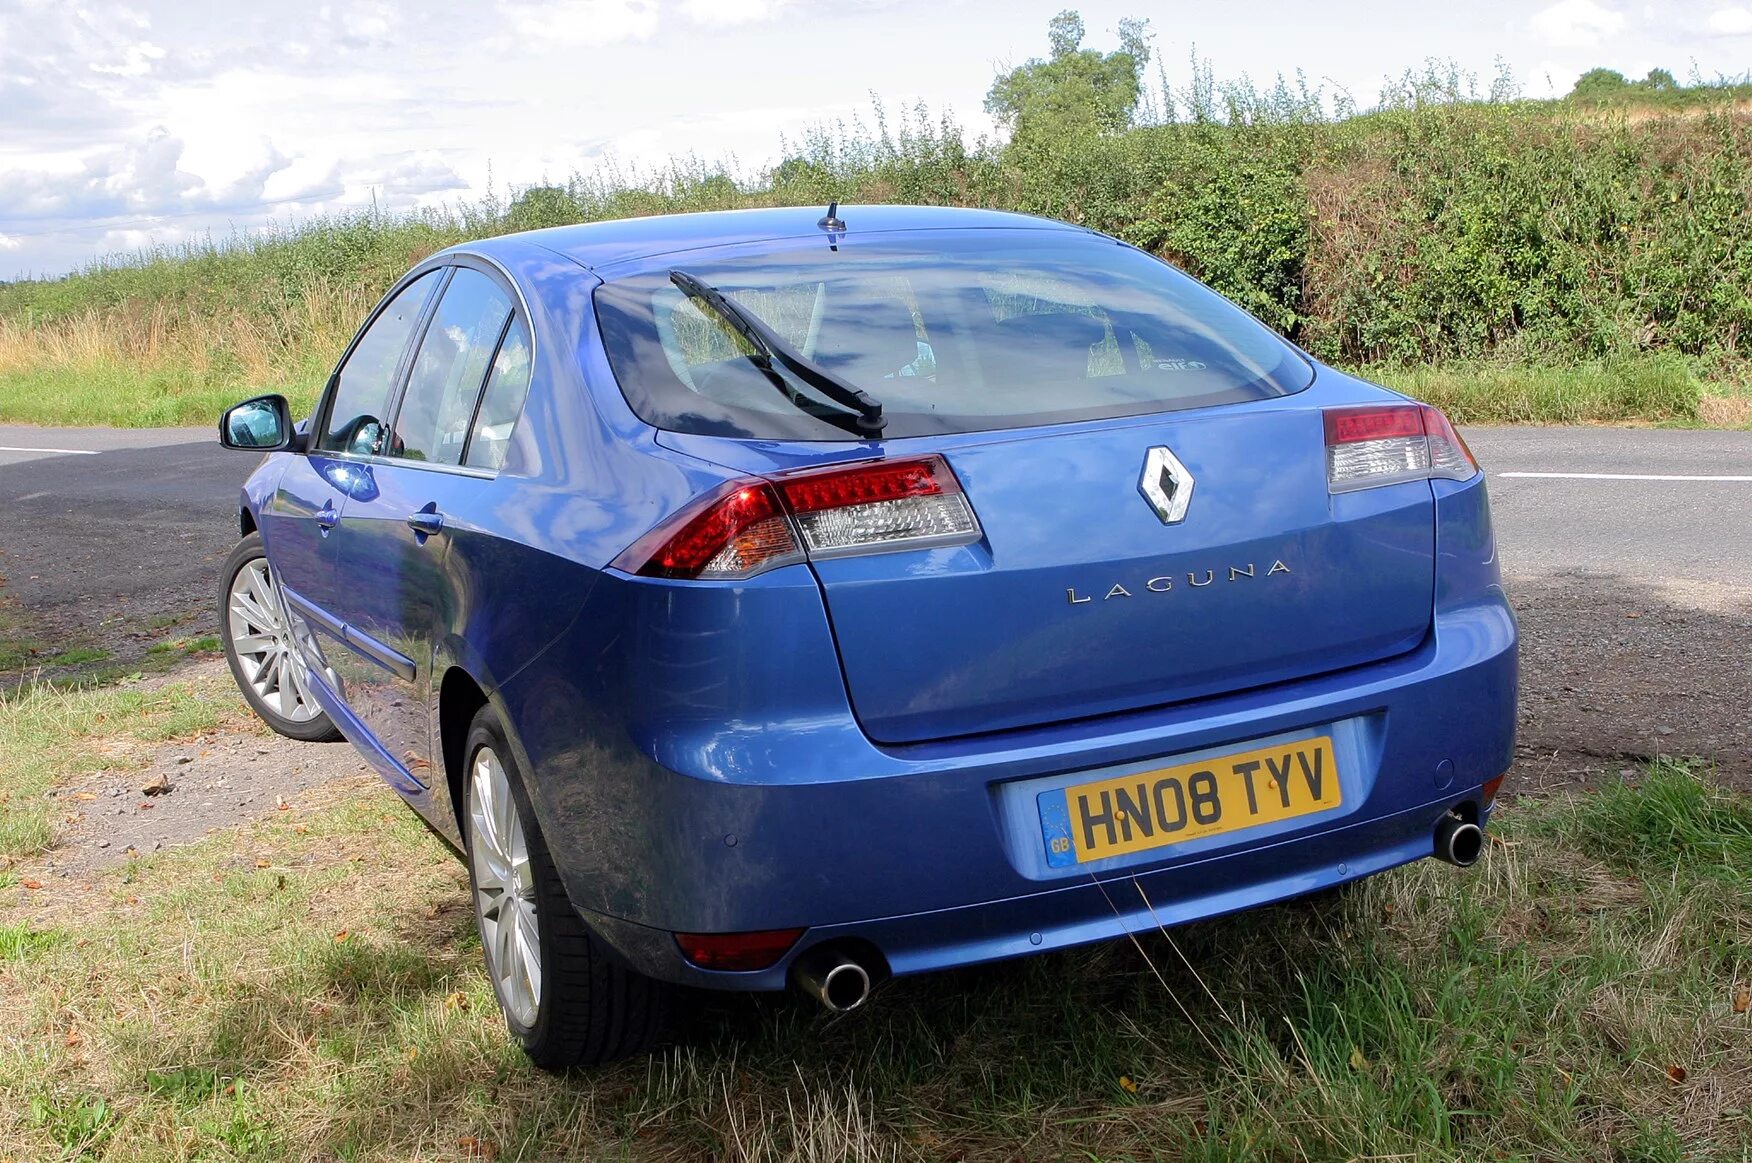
156,121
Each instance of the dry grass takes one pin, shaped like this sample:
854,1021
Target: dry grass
1726,411
147,364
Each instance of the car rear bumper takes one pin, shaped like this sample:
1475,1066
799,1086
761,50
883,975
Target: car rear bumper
923,853
1079,914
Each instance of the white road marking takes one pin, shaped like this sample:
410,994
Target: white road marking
54,451
32,496
1620,476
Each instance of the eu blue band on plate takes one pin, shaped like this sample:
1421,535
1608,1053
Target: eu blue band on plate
1055,829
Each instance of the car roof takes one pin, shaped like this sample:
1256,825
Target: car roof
599,245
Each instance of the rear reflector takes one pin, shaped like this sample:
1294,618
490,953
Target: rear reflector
1489,791
751,526
1388,443
737,951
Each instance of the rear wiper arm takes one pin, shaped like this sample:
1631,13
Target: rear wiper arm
768,347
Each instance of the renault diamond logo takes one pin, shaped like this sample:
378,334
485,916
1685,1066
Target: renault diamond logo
1166,485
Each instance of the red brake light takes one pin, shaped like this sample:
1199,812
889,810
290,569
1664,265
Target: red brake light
750,526
1349,425
735,532
866,484
737,951
1387,443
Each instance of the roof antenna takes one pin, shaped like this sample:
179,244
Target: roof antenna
831,221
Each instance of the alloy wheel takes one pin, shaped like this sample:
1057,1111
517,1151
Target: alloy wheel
261,639
504,890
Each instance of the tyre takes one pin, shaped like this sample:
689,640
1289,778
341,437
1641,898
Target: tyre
567,1000
259,647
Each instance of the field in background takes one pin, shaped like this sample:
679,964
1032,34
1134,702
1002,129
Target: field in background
309,987
1515,260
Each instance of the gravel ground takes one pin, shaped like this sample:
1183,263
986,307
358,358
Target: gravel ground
1615,671
217,780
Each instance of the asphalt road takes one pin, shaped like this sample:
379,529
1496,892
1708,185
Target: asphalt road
1591,519
113,541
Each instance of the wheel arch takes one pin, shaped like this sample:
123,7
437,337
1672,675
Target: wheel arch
460,699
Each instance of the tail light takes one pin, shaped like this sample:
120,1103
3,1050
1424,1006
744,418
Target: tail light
1387,443
751,526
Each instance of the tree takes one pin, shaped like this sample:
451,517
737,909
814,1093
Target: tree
541,206
1600,83
1075,90
1660,80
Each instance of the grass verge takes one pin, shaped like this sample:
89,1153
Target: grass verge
308,988
1655,389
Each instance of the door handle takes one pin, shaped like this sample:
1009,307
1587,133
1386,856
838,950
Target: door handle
425,523
327,518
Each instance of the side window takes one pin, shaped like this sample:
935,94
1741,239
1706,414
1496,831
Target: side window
503,403
361,400
445,384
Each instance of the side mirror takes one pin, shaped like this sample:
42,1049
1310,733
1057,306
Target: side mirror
263,424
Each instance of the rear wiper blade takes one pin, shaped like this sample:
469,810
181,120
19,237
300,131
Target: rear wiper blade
769,347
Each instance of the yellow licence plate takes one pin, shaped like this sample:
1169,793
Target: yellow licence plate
1134,813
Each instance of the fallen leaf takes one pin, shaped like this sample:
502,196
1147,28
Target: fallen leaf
1676,1074
301,828
281,804
158,785
32,884
84,795
72,1038
1357,1061
456,1001
342,935
1743,999
413,1053
144,806
473,1148
1127,1085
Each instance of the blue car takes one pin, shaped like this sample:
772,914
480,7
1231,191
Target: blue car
764,598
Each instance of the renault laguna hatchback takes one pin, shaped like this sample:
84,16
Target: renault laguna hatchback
762,598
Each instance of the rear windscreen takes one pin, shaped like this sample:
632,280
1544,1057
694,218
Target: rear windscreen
951,332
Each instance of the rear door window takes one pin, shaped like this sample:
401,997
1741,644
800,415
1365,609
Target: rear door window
360,404
951,331
436,412
507,385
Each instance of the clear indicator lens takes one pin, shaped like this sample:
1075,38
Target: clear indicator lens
942,516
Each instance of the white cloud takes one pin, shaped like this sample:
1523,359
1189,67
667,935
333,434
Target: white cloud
727,12
137,60
1735,21
581,22
1576,23
7,242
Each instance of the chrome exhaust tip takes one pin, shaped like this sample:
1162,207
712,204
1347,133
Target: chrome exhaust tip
839,983
1459,842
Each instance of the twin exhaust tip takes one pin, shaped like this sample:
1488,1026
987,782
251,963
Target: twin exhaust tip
835,980
1459,842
